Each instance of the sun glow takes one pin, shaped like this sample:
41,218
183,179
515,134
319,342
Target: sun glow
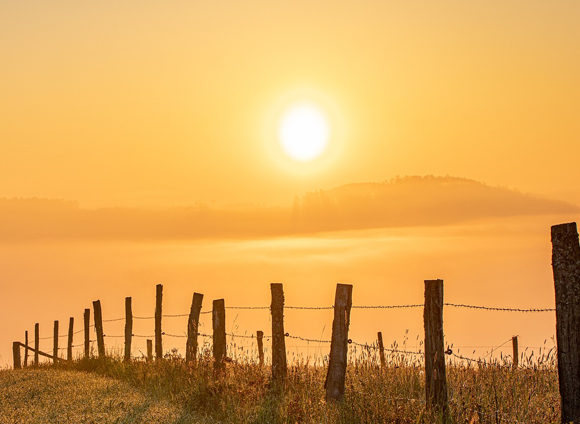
304,132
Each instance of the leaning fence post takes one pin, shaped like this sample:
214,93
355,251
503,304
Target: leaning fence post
336,375
566,269
70,339
260,336
515,351
128,328
435,378
149,350
158,340
16,354
193,328
25,364
87,318
99,328
36,343
219,332
55,343
381,349
279,365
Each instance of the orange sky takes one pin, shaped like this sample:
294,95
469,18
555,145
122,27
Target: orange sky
160,104
157,104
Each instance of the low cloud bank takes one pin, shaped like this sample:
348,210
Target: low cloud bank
401,202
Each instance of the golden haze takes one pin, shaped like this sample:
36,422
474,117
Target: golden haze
144,114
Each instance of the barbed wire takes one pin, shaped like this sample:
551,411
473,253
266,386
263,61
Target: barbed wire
490,308
416,305
247,307
113,320
307,340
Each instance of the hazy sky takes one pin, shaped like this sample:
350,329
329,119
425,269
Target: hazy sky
126,104
161,103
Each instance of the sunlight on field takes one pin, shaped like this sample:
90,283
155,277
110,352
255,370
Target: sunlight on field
58,396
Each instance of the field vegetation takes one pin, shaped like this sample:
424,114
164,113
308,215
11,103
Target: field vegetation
171,391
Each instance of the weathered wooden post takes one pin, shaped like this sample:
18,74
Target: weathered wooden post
128,328
26,349
279,365
158,339
99,328
566,269
515,351
260,336
435,378
149,350
36,343
381,349
219,332
336,376
55,343
193,328
70,339
16,354
87,318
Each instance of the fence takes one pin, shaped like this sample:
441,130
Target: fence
566,269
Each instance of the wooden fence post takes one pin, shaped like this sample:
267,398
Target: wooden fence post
25,349
435,378
219,332
36,343
279,364
381,349
87,318
149,350
16,354
193,328
260,336
158,340
55,344
99,328
516,360
336,376
128,328
70,339
566,269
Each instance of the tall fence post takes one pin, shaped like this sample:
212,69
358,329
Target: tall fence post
336,376
128,328
193,328
70,339
16,354
279,365
99,328
219,332
55,343
25,364
158,340
259,337
36,343
149,350
566,269
435,378
87,318
381,349
516,355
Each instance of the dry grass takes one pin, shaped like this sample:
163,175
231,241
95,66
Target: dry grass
172,392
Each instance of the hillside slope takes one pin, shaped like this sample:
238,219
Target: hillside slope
59,396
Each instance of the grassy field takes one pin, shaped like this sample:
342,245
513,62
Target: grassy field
109,391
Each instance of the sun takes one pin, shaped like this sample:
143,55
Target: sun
304,132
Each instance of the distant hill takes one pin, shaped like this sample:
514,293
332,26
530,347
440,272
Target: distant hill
406,201
417,201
